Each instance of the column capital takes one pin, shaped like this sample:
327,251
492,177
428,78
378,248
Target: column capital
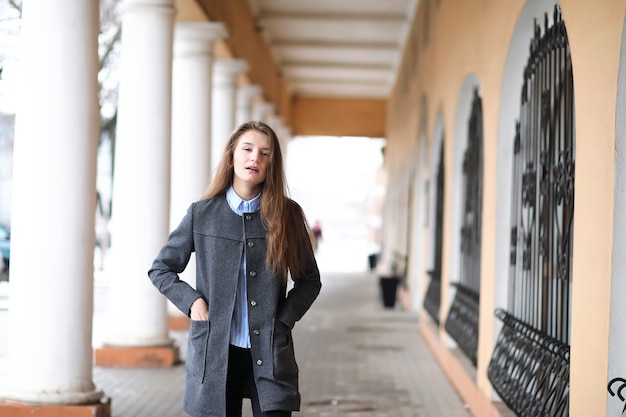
128,3
197,38
286,132
245,97
226,70
262,111
230,66
165,5
275,122
247,92
200,31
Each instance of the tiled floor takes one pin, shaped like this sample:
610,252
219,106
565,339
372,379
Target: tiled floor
356,359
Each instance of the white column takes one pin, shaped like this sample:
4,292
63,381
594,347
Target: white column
225,72
277,124
262,111
54,199
284,137
191,128
245,97
191,105
141,191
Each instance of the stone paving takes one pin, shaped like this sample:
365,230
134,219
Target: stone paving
356,359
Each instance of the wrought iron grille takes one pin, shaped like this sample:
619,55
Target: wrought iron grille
530,370
463,318
530,364
543,188
432,300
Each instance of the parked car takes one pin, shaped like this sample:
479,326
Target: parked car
5,246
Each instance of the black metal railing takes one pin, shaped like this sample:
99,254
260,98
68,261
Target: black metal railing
530,363
530,370
432,300
463,318
543,187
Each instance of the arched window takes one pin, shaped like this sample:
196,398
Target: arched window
536,324
432,300
462,320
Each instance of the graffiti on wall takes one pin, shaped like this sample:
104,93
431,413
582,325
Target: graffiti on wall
620,384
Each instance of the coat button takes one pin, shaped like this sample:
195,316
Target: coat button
256,332
252,303
259,362
253,274
248,217
251,244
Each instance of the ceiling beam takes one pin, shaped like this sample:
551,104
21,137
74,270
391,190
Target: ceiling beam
245,41
339,117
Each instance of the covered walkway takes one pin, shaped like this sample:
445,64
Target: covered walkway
356,358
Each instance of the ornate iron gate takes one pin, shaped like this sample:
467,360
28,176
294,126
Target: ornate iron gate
462,321
432,300
530,364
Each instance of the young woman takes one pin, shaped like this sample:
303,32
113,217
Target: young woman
249,238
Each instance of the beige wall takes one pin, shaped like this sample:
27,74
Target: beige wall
338,117
595,34
453,39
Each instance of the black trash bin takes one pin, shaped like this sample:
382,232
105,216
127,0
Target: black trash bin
373,260
388,290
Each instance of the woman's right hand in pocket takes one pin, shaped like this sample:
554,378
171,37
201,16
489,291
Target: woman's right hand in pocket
199,310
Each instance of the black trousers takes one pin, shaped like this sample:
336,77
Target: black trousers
240,379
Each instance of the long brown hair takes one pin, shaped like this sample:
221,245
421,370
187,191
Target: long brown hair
288,242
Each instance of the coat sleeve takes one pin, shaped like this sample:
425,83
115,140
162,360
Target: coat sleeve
301,297
306,287
171,261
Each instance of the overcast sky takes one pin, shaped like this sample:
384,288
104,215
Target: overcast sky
9,41
333,179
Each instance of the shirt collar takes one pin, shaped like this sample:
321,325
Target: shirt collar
239,205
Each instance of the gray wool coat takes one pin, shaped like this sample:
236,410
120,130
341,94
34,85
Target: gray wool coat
216,234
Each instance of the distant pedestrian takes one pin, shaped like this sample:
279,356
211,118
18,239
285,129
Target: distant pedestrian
317,233
248,237
317,230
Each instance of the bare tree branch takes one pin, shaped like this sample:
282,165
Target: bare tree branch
109,125
17,5
110,46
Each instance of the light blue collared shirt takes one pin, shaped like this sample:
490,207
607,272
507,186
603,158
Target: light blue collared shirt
239,333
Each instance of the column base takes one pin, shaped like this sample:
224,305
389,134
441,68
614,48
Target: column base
136,356
178,323
13,409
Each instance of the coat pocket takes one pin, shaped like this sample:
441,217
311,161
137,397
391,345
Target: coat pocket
285,366
195,364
